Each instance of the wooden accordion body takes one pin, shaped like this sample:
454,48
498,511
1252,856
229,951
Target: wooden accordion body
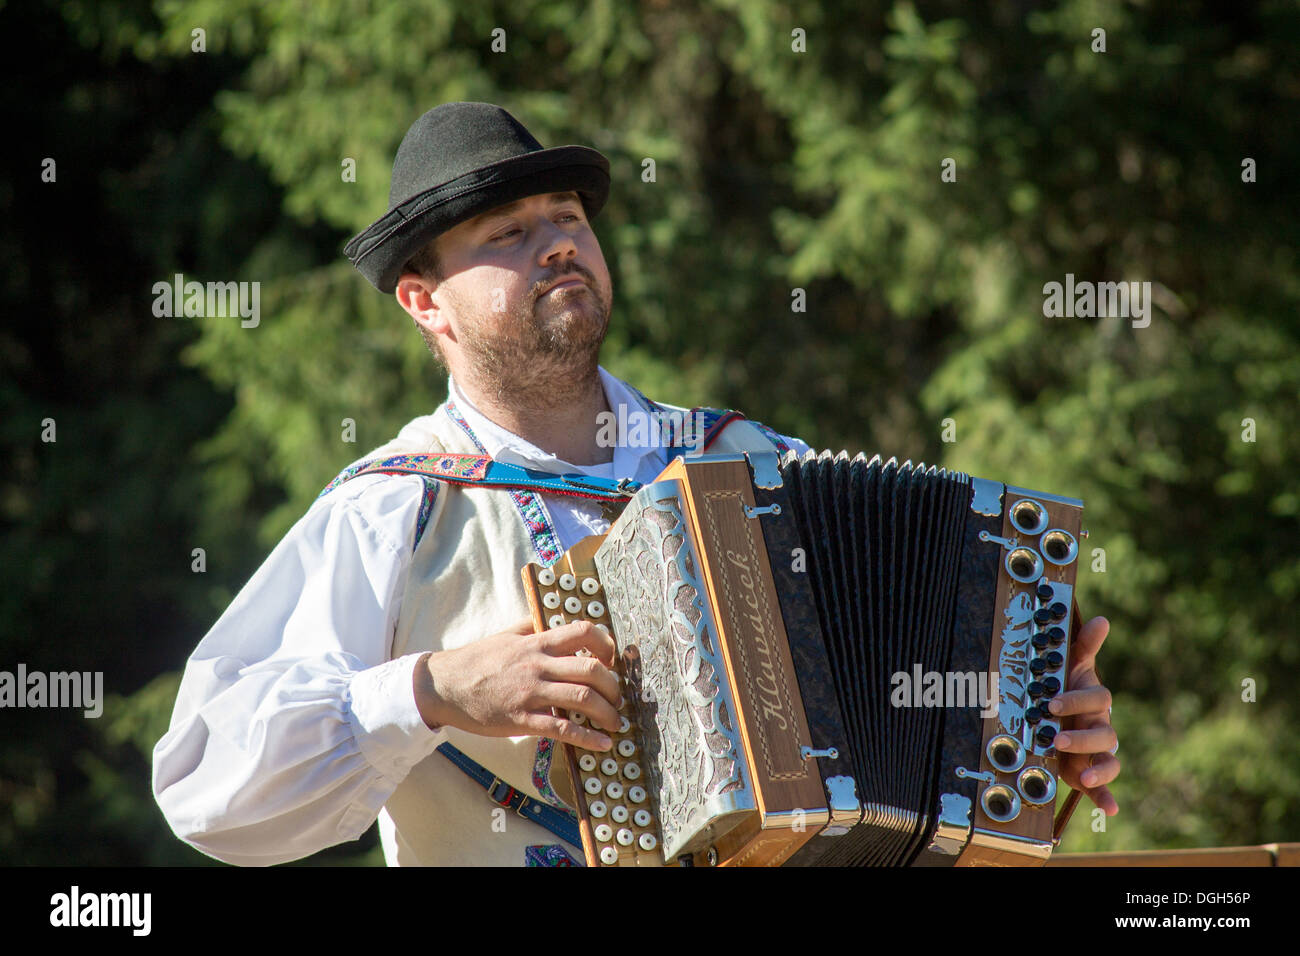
805,645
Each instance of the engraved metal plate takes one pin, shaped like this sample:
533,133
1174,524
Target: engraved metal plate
695,766
986,497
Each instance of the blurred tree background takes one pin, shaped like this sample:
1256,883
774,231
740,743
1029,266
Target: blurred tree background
797,145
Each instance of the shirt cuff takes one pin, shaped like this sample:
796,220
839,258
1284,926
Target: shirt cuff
389,730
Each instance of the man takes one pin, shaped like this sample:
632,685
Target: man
391,620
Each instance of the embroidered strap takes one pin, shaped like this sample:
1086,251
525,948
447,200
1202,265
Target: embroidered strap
563,823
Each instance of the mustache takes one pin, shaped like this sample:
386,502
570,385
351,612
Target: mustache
577,270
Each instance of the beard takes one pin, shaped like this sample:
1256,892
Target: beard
543,351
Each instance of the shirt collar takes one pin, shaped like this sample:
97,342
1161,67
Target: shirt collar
503,445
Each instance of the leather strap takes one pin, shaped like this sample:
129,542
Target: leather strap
563,823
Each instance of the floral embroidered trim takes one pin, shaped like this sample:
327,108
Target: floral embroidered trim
552,854
773,437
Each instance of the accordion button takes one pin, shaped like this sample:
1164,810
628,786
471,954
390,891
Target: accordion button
1056,635
546,577
1051,687
614,790
1044,592
632,771
1041,641
626,748
603,832
603,628
1058,610
1054,659
609,856
592,785
618,814
577,717
641,818
557,620
551,600
590,585
1037,666
597,808
567,581
587,762
648,841
623,725
625,837
609,766
572,605
1043,616
1035,689
636,794
595,609
1033,715
1045,736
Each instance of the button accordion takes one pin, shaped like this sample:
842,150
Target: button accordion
824,661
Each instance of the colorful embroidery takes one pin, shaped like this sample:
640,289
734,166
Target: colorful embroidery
773,437
542,772
552,854
426,509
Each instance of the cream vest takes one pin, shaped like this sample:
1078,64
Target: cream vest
464,584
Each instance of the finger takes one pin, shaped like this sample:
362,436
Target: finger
577,635
1077,773
1083,652
522,626
579,698
1095,741
566,731
583,670
1093,700
1101,769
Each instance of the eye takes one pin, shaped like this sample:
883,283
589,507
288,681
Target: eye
505,235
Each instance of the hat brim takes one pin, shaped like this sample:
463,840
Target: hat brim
381,251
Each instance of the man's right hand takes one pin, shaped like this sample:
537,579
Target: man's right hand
505,685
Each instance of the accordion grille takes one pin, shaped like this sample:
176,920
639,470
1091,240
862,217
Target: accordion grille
883,545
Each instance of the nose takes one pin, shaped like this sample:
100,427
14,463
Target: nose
558,247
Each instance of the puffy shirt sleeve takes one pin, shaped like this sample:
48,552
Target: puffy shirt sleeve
292,727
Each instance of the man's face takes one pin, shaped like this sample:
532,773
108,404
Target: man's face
509,324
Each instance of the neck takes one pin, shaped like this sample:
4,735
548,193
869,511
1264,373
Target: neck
560,420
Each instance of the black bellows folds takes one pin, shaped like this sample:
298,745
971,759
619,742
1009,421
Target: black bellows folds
883,549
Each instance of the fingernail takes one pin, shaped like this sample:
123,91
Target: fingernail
1055,706
1062,740
1089,778
604,742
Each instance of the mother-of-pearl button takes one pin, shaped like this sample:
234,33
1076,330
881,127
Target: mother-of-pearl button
592,785
613,790
636,794
598,809
546,577
577,717
567,581
608,856
618,814
603,832
625,837
632,771
590,585
626,748
647,841
572,605
551,600
557,620
596,609
609,766
641,818
587,762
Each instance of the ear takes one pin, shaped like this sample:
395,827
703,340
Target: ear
419,297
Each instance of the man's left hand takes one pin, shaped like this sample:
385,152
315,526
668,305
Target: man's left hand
1087,741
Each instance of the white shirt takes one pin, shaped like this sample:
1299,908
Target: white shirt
292,726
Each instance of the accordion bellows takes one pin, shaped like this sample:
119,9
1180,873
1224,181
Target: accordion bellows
833,661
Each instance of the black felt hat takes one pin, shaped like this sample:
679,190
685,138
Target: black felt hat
459,160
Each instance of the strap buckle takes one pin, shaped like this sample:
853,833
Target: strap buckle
503,801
